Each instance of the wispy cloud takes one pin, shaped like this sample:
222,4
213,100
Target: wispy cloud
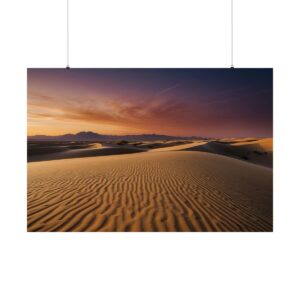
168,89
113,111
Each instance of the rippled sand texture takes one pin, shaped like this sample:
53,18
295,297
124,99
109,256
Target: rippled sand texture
158,191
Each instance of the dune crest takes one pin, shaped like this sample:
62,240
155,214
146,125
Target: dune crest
257,151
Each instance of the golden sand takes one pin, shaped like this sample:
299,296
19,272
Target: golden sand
153,191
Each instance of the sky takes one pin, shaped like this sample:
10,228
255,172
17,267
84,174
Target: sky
179,102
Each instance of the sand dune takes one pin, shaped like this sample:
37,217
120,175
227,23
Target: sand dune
260,144
90,151
178,147
153,191
160,145
258,151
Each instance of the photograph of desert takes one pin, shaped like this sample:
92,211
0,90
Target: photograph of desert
150,150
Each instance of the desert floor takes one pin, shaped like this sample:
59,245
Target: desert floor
200,186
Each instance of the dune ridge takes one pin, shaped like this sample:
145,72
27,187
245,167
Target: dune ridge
92,151
257,151
153,191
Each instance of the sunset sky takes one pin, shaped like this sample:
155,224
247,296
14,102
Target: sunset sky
181,102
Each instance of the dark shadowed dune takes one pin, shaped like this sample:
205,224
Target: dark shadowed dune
254,151
67,154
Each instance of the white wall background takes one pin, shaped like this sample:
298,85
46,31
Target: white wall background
156,33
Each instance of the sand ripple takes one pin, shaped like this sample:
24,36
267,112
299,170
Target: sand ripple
162,191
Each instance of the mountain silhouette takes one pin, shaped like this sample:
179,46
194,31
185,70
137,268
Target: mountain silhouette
92,136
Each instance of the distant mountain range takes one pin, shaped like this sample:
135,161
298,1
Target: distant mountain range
92,136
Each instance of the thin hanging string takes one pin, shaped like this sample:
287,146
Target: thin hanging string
232,34
68,36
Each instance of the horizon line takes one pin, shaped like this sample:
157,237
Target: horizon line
153,134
